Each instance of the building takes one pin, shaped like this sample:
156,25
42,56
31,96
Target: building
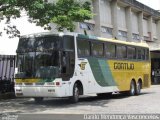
127,20
7,68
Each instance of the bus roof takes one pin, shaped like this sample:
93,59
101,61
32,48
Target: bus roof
42,34
91,37
140,44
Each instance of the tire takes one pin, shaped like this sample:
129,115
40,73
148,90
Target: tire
75,97
38,99
132,90
138,88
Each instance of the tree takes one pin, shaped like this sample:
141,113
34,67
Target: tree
62,12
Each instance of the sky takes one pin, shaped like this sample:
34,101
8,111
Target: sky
155,4
8,46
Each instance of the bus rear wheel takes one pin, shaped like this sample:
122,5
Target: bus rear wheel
138,88
132,90
76,92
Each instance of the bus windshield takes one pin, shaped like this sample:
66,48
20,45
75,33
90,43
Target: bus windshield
38,57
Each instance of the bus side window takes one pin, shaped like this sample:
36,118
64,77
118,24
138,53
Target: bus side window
121,52
143,54
131,52
146,54
97,49
110,50
83,48
140,53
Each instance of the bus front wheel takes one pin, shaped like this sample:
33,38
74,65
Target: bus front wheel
75,97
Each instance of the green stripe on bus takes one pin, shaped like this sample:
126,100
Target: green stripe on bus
47,80
101,72
87,37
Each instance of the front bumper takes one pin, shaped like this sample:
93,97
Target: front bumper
36,91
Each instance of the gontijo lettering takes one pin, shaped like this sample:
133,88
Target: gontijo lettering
123,66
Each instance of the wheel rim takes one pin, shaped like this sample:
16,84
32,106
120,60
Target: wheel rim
76,94
138,87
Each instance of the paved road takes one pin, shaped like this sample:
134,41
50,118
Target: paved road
146,103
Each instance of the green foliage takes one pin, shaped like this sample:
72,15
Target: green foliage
63,12
69,11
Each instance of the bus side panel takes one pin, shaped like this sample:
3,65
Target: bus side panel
107,75
124,71
100,76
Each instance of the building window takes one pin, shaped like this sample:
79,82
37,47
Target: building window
87,26
146,38
122,33
155,39
107,30
135,37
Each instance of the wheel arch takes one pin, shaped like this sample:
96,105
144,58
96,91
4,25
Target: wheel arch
133,81
80,86
140,80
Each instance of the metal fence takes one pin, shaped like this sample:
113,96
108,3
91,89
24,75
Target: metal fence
7,67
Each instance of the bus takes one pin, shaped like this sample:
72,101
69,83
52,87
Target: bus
72,64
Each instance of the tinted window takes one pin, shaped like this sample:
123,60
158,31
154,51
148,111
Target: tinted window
110,51
39,43
147,54
143,54
83,48
121,51
140,53
131,54
97,49
47,43
68,43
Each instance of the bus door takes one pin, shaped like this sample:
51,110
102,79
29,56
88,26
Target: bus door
84,74
67,66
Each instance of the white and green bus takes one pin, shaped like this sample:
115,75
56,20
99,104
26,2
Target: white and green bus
70,65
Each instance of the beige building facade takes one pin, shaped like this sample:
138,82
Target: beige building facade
127,20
